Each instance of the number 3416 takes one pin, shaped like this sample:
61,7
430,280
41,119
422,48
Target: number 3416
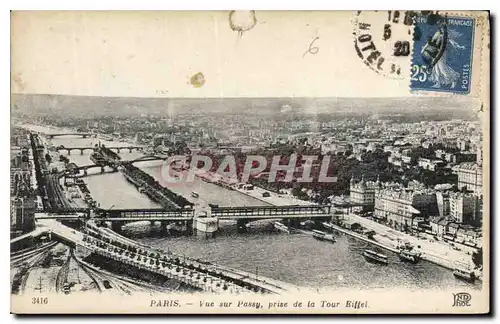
39,300
419,73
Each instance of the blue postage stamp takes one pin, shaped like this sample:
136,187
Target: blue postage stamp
442,54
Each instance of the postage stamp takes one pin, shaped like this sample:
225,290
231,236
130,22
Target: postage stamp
442,55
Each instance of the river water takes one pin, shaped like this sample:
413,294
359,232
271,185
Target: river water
298,259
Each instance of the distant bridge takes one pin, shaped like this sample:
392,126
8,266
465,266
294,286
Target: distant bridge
83,135
118,149
112,164
72,173
147,158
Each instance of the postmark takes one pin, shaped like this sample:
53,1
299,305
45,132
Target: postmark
442,53
382,40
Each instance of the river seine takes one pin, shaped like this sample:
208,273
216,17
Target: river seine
298,259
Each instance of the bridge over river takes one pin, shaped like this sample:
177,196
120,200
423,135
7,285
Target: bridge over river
83,135
204,276
82,149
203,219
110,166
223,213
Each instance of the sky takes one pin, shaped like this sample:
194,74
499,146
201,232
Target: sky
154,54
87,105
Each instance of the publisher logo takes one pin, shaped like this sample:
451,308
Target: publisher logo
461,299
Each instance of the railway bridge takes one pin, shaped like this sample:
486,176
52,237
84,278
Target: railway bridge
82,171
186,217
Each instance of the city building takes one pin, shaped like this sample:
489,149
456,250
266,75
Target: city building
158,140
363,193
333,148
406,159
429,164
470,177
399,206
22,185
463,207
439,225
460,207
479,156
443,203
463,145
139,137
22,215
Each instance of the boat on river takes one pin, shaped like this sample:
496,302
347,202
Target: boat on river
412,256
464,274
281,227
322,236
408,253
194,194
372,256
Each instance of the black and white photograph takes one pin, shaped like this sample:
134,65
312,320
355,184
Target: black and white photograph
209,194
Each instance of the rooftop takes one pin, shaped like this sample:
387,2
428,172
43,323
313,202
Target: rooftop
469,166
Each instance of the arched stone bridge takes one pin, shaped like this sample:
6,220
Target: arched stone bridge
76,172
118,149
147,158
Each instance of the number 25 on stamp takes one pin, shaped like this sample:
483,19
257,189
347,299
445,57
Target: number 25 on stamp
442,54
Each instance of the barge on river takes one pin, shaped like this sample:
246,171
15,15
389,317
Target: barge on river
281,227
464,274
322,236
372,256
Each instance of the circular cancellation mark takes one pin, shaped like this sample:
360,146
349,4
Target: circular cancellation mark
382,40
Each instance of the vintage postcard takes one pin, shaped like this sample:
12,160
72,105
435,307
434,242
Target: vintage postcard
250,162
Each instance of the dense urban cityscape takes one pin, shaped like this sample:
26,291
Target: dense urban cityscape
408,184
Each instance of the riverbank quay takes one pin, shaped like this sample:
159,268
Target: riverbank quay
273,198
438,253
359,237
252,191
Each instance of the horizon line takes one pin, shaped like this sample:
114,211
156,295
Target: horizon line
415,96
